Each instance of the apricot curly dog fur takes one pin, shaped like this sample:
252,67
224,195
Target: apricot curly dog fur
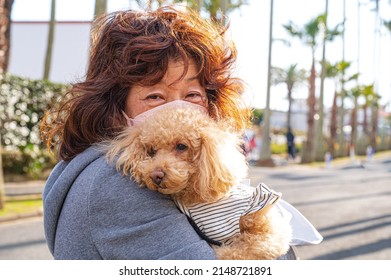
195,159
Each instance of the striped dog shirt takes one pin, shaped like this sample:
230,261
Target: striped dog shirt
219,221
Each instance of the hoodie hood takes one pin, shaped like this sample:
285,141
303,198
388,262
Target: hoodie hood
57,186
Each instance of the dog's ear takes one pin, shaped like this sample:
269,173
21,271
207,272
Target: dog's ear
222,163
127,151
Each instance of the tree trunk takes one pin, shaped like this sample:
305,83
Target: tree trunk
49,49
223,10
2,189
100,8
341,113
374,124
333,126
289,113
198,6
353,124
5,35
311,102
365,121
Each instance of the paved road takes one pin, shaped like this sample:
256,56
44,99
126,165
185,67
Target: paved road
349,205
23,240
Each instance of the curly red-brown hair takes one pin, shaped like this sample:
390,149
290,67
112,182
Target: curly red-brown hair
134,48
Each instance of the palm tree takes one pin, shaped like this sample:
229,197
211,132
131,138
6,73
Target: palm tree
328,35
332,72
100,9
219,8
368,92
368,95
354,94
291,77
387,24
196,5
337,73
341,68
371,100
148,5
374,120
308,34
49,48
333,125
319,145
5,32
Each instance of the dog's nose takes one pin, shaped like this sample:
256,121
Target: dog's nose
157,176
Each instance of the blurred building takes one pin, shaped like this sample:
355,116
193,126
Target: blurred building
278,119
70,50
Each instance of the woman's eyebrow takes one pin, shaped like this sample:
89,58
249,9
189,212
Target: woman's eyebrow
190,79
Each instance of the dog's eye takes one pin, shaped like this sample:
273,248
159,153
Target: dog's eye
180,147
151,152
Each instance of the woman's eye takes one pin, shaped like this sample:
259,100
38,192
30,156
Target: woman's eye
180,147
154,99
194,97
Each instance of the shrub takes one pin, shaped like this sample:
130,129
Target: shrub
23,103
29,163
281,148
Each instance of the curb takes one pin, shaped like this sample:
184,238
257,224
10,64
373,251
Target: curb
38,213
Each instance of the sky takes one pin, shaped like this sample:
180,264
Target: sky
250,32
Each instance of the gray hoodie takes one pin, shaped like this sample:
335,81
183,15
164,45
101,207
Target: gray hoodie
91,211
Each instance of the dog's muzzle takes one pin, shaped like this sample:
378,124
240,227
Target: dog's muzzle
157,176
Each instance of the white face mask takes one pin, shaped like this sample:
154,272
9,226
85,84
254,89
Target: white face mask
173,104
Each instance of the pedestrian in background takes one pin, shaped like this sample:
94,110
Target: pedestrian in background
290,141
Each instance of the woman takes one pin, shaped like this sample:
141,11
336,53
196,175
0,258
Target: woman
138,61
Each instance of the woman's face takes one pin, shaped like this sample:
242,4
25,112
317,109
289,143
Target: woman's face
170,88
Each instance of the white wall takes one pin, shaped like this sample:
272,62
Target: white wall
70,51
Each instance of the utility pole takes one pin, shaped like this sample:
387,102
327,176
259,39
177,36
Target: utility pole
49,47
265,156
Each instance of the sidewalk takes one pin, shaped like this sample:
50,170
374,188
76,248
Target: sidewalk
33,187
23,190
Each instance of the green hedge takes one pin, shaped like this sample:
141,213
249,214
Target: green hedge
279,149
30,163
23,103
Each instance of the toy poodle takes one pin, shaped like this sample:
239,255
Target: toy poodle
199,161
